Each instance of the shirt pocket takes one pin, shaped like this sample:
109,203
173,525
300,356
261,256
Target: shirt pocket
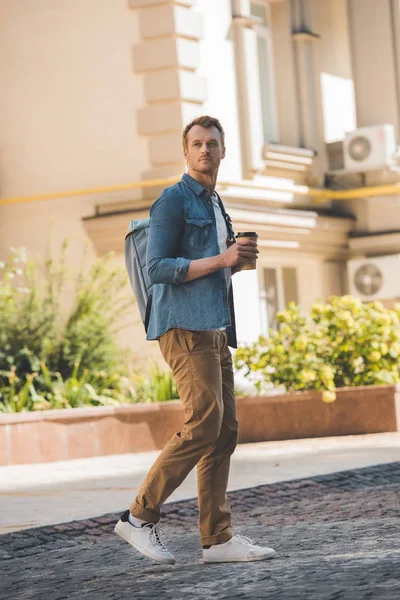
199,232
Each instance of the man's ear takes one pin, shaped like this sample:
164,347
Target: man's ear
185,152
223,153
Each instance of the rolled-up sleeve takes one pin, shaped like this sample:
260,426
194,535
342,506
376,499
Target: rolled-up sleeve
165,232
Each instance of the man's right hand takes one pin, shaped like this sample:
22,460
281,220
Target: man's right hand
238,254
233,258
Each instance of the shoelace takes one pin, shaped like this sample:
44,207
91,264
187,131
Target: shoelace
157,536
246,541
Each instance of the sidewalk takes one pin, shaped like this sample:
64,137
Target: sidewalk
47,494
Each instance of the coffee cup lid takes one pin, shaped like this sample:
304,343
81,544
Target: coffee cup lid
247,234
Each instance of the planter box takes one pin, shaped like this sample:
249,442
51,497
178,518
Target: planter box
82,432
356,410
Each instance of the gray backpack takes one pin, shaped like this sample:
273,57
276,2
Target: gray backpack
135,261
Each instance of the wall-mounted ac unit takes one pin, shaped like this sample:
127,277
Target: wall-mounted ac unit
374,278
370,148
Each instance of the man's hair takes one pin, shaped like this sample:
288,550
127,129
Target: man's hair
206,122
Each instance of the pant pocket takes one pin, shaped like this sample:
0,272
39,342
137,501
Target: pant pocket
191,339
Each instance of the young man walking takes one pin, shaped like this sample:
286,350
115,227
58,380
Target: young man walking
191,256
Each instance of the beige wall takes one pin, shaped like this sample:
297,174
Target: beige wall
373,35
67,111
334,278
67,120
330,21
377,214
333,67
68,96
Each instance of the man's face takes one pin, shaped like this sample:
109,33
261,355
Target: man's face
204,149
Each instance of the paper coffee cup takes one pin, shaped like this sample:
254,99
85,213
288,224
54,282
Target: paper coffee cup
241,238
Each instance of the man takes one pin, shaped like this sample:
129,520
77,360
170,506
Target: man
190,258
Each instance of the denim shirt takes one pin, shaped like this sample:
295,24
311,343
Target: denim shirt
183,228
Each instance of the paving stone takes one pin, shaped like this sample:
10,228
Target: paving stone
336,536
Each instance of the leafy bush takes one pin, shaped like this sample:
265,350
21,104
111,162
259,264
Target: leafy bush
160,386
52,358
73,392
346,343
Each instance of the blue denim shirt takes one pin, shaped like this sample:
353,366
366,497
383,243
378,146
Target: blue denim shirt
183,228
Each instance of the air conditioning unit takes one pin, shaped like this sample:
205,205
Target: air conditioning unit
370,148
374,278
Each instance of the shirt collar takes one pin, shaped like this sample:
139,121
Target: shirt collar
193,184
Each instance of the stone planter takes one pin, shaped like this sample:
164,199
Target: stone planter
356,410
82,432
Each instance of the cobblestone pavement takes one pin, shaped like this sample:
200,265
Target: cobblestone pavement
337,538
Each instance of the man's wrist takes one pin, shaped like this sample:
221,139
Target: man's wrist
220,263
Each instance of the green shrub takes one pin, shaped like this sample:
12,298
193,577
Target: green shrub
51,358
40,343
27,321
160,386
73,392
345,343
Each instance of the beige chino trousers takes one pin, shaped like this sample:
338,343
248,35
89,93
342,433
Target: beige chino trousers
201,363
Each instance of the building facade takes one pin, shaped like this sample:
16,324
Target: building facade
96,93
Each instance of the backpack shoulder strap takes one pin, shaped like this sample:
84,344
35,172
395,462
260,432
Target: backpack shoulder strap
227,219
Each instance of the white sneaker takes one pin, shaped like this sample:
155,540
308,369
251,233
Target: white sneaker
148,540
237,549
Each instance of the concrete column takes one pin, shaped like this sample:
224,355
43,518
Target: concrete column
286,87
248,90
374,36
168,56
310,116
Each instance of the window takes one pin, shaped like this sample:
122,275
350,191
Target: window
280,285
259,10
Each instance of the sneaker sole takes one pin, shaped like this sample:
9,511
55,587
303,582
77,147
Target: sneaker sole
247,559
121,534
